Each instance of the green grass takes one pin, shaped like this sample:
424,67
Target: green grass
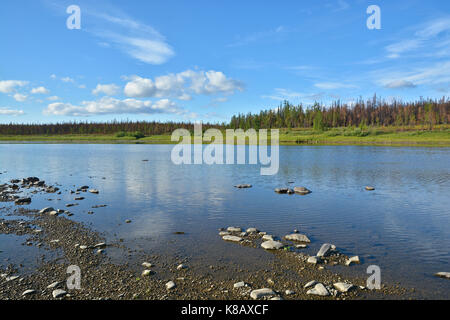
390,136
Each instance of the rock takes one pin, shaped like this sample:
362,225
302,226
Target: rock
79,198
83,187
234,229
290,191
71,205
342,286
289,292
301,190
268,237
22,201
318,290
11,278
100,251
243,234
276,298
95,191
147,264
252,230
224,233
272,245
313,260
354,259
83,247
46,210
58,293
310,284
368,188
297,237
325,250
240,284
100,245
281,190
28,292
54,285
170,285
443,275
261,293
271,282
146,273
232,238
243,186
181,266
53,213
301,246
128,221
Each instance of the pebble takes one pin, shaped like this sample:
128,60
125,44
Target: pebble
240,284
29,291
319,290
342,286
58,293
232,238
354,259
53,285
310,284
297,237
234,229
289,292
181,266
261,293
146,273
170,285
325,250
313,260
147,264
443,275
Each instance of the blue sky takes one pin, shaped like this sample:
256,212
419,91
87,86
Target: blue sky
207,60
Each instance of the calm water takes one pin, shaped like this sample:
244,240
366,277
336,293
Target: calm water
403,226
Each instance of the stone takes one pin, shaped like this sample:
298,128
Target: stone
146,273
243,186
95,191
261,293
224,233
58,293
281,190
297,237
46,210
319,290
240,284
443,275
28,292
342,286
147,264
170,285
128,221
354,259
79,198
100,245
22,201
234,229
301,190
310,284
290,191
313,260
252,230
54,285
232,238
83,247
325,250
268,237
289,292
301,246
368,188
272,245
181,266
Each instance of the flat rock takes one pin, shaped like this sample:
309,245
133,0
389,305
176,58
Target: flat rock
301,190
319,290
243,186
369,188
342,286
232,238
443,275
261,293
272,245
95,191
268,237
234,229
252,230
297,237
58,293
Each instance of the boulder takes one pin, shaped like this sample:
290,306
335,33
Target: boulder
301,190
232,238
297,237
272,245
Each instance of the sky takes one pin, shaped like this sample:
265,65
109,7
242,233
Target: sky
208,60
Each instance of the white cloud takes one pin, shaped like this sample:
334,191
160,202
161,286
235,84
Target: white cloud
333,85
11,112
108,105
40,90
53,98
182,85
398,84
67,79
20,97
8,86
107,89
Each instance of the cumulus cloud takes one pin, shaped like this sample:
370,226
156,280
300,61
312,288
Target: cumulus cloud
8,86
182,85
11,112
108,89
20,97
40,90
108,105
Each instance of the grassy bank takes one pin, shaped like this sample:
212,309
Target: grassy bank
387,136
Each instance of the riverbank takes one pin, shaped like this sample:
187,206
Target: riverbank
287,272
390,136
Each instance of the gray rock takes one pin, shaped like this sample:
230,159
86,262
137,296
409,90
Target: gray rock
170,285
297,237
272,245
54,285
354,259
318,290
310,284
252,230
147,264
261,293
46,210
313,260
342,286
325,250
28,292
443,275
224,233
240,284
289,292
268,237
234,229
58,293
232,238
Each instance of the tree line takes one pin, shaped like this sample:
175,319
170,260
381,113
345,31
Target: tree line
373,112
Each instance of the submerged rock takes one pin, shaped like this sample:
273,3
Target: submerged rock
272,245
281,190
261,293
318,290
297,237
